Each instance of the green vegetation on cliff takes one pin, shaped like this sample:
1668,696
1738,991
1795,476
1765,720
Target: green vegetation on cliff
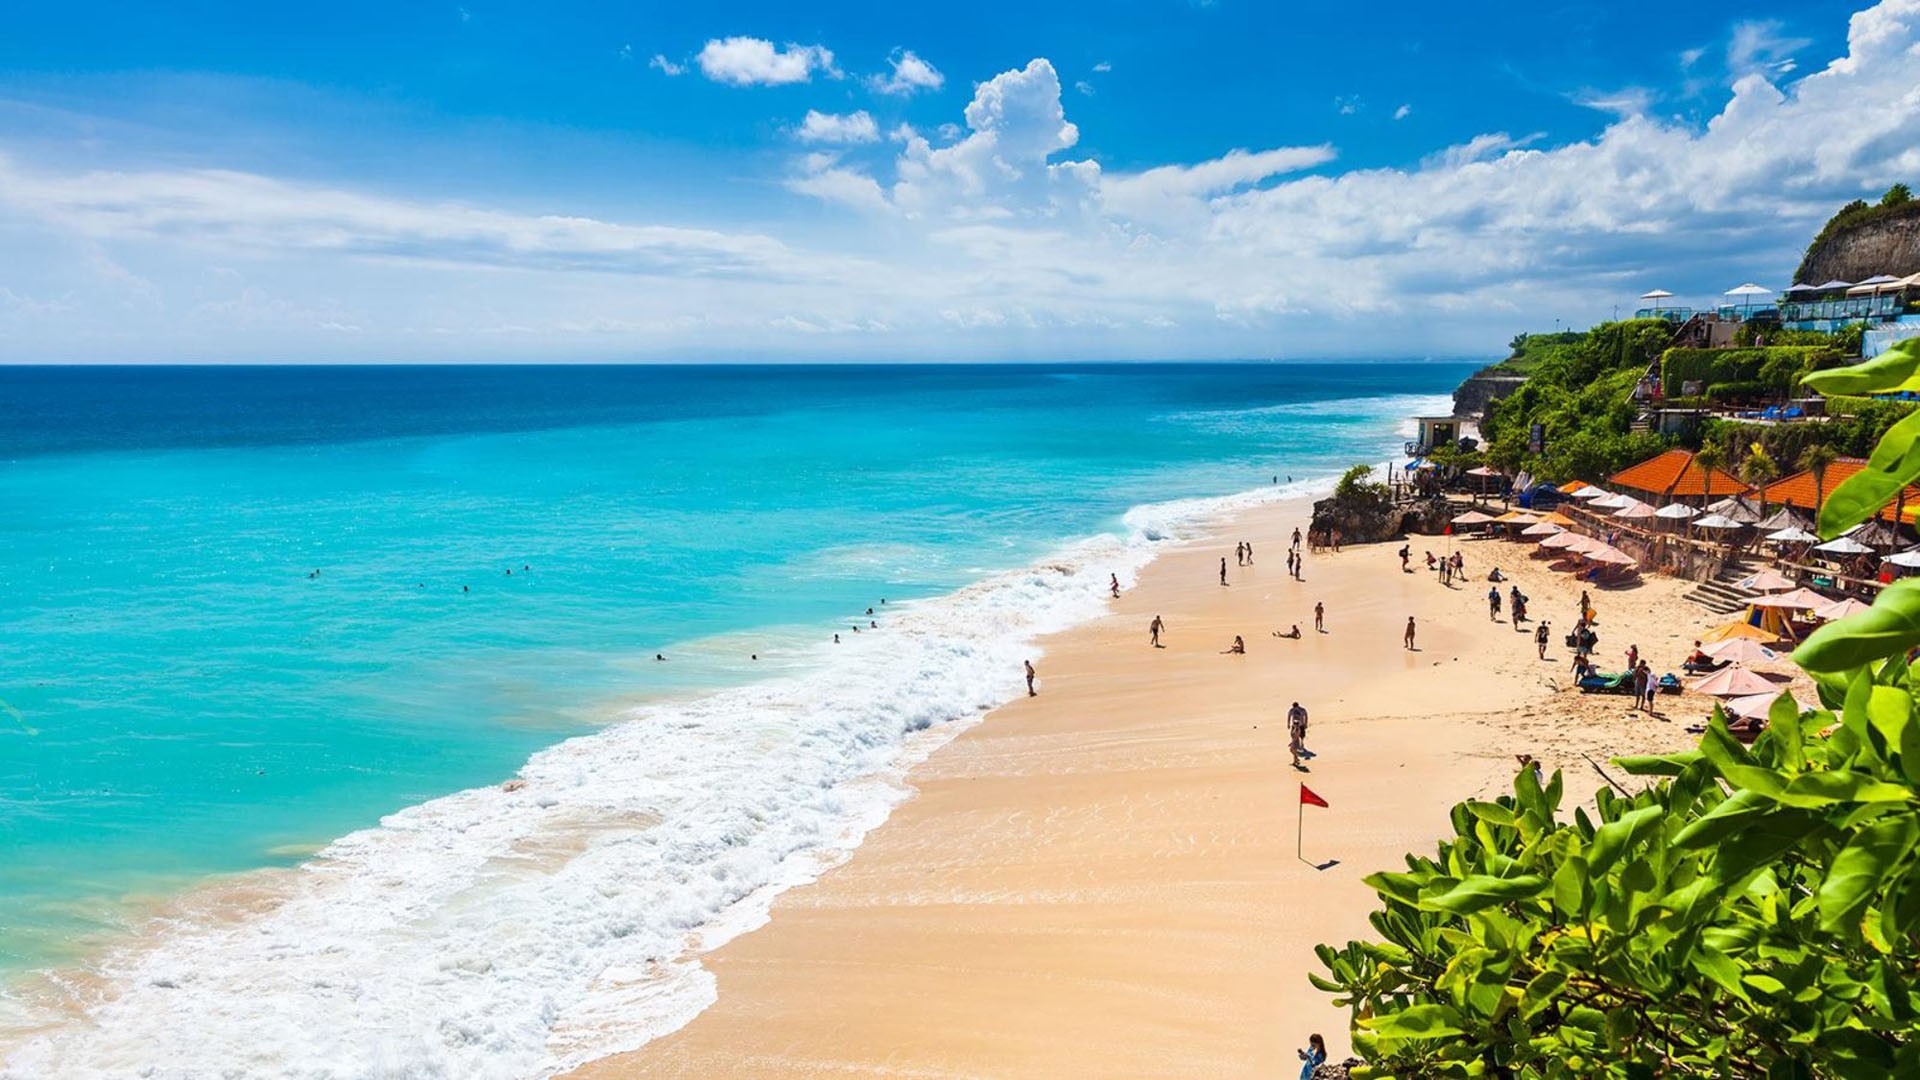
1578,388
1896,203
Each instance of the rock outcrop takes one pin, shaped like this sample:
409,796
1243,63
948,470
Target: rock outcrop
1370,519
1482,389
1887,244
1336,1070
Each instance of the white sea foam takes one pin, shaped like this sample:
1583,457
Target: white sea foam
496,933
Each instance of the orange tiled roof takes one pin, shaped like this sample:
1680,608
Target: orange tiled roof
1800,491
1674,474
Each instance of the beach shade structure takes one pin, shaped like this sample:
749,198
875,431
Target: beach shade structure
1739,629
1563,541
1741,650
1717,522
1611,555
1735,681
1747,292
1791,536
1797,600
1676,512
1555,517
1877,535
1753,706
1909,558
1766,581
1874,284
1840,609
1541,529
1635,511
1784,518
1846,545
1472,517
1574,487
1517,517
1801,288
1482,470
1611,502
1588,494
1734,507
1653,298
1836,285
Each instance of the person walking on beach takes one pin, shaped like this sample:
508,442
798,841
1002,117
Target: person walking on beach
1638,675
1315,1055
1031,692
1223,569
1249,553
1153,632
1653,685
1319,617
1493,603
1297,733
1113,583
1409,635
1541,634
1406,557
1296,538
1240,554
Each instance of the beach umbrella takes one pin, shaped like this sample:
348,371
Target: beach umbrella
1566,540
1840,609
1517,517
1557,518
1736,681
1909,558
1875,534
1636,511
1573,487
1589,493
1733,507
1541,528
1656,295
1836,283
1612,502
1768,580
1482,470
1715,521
1738,629
1846,545
1473,517
1747,292
1611,555
1676,512
1741,650
1784,518
1791,536
1753,706
1797,600
1801,287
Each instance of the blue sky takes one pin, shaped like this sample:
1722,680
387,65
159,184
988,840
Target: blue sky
1157,178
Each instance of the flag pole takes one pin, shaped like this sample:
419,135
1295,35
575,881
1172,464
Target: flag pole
1299,827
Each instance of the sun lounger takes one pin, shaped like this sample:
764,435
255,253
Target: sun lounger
1620,683
1669,684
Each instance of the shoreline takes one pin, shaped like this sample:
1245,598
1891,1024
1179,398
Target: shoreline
230,900
1101,879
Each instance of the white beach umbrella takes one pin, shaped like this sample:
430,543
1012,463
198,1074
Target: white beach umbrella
1768,580
1753,706
1611,555
1840,609
1676,512
1542,529
1563,541
1715,521
1734,682
1612,502
1589,493
1908,559
1747,292
1741,651
1846,545
1473,517
1635,511
1797,600
1791,536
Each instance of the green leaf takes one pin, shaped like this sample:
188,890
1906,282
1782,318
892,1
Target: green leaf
1738,812
1891,625
1894,370
1895,464
1480,891
1415,1022
1615,837
1658,764
1784,734
1857,872
1816,789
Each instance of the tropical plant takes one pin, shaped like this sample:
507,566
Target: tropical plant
1708,459
1815,459
1750,912
1758,470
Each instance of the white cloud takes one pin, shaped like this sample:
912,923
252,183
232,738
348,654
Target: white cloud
1103,67
910,73
661,63
1762,46
1348,104
1085,88
750,61
998,241
1403,112
1626,102
1690,57
856,127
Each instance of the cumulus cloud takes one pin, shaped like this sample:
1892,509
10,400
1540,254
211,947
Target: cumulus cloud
855,127
910,74
1006,238
750,61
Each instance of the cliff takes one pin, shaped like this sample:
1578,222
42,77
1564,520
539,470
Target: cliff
1855,246
1483,388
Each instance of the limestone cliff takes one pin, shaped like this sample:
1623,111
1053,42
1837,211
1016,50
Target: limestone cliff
1883,241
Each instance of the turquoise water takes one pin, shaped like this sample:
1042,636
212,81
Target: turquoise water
184,696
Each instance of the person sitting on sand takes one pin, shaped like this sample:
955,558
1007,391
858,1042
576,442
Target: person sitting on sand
1293,634
1496,576
1238,648
1431,561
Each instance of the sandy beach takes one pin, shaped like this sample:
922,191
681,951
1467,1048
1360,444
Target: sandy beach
1102,880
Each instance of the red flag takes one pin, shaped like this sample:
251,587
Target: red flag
1449,531
1308,798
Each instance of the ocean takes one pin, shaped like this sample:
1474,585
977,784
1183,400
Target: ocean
273,639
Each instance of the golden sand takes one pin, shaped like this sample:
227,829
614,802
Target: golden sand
1102,881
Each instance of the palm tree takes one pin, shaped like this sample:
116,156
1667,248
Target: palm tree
1815,460
1758,470
1708,460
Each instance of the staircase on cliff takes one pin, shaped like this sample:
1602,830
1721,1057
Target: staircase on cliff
1719,594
